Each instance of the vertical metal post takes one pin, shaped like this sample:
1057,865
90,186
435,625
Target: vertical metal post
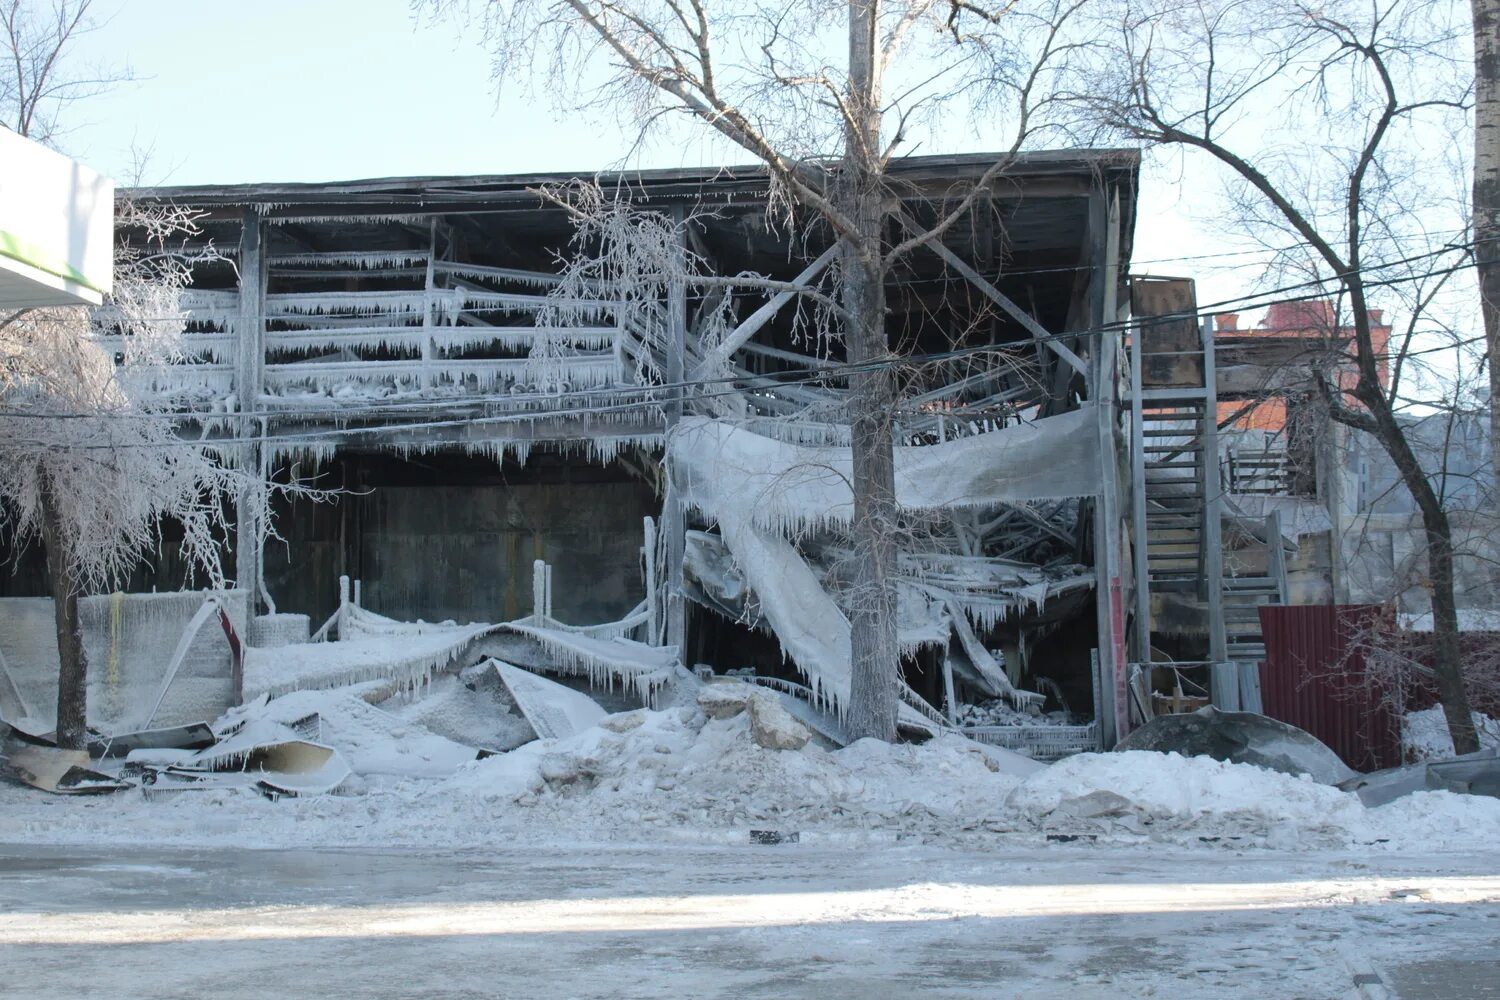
653,611
428,305
1111,700
674,516
1213,503
950,700
1277,562
342,623
1138,505
250,354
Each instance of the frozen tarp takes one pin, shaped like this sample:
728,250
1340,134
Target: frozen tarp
789,487
554,711
761,490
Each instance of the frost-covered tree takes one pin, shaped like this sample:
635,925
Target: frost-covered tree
92,463
826,96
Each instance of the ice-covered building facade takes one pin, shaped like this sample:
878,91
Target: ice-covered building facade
401,340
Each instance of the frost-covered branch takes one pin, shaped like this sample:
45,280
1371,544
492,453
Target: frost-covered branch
81,433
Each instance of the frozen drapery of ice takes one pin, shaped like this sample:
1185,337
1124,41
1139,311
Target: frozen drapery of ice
410,653
761,491
364,260
792,488
129,640
407,658
634,665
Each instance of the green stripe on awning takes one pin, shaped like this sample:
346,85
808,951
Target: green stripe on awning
29,253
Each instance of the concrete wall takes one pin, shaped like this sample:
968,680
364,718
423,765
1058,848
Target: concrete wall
466,552
1383,557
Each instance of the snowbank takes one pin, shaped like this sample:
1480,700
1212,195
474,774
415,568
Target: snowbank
678,776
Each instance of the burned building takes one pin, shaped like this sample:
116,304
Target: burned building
516,438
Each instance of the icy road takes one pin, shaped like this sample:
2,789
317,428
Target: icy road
764,921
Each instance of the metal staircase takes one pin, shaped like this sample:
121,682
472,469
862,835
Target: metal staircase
1171,491
1243,596
1177,503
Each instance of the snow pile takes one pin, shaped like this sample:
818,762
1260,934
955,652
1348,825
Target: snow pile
1425,736
677,775
675,770
1142,791
1168,796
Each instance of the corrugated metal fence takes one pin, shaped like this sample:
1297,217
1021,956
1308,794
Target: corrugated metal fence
1312,679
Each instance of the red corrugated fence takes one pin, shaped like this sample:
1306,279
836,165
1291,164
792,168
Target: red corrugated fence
1311,679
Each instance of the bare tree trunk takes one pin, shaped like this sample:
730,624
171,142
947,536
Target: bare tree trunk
875,652
72,672
1487,199
1448,665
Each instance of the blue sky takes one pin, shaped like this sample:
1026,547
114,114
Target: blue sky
282,90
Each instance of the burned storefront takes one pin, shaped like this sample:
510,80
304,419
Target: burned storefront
630,486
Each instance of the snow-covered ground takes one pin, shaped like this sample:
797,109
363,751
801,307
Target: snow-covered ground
625,861
677,776
1425,736
744,922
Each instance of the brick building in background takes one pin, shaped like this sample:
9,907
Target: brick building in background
1271,359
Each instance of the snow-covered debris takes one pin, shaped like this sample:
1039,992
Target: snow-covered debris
471,708
999,712
724,699
772,726
678,775
374,741
1425,736
258,753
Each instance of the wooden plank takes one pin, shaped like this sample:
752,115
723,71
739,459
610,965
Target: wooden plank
1171,346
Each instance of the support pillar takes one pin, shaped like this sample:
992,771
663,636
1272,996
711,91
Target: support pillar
249,365
674,515
1112,705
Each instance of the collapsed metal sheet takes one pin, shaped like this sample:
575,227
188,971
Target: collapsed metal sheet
1241,738
554,711
261,754
62,772
1469,774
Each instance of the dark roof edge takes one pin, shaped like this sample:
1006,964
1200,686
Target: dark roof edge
1073,161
